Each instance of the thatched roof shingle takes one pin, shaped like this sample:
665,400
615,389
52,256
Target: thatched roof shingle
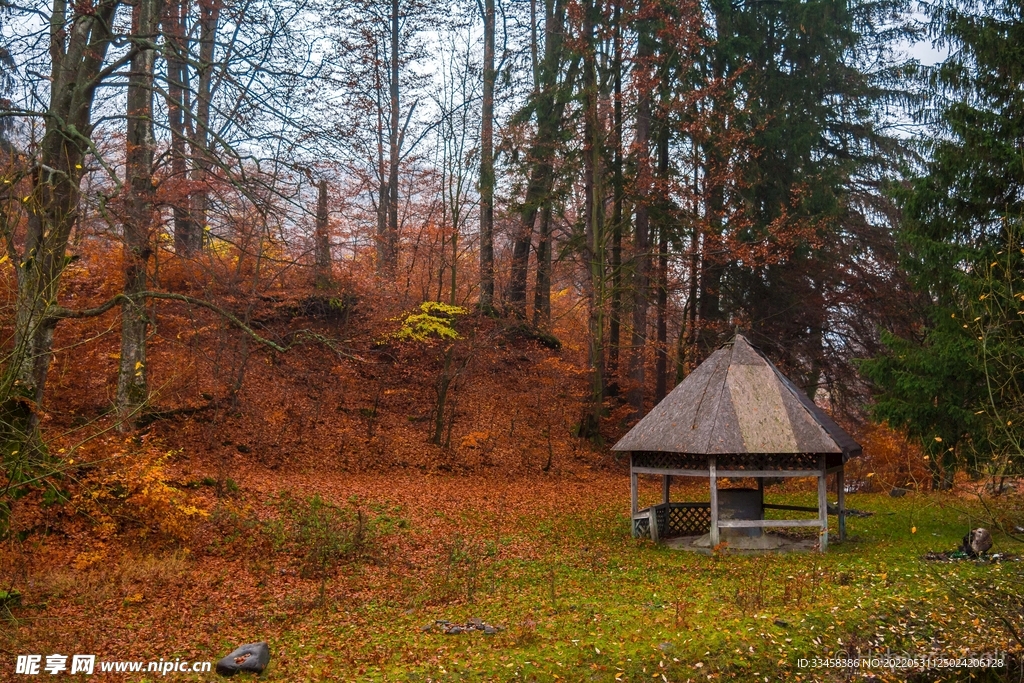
737,401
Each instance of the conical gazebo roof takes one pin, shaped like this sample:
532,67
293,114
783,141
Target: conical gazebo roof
737,401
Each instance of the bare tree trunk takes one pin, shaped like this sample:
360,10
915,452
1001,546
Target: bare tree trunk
592,151
322,240
712,269
132,385
615,318
686,359
661,353
642,190
392,231
516,297
382,194
188,237
77,53
542,290
661,357
209,19
686,356
487,165
549,104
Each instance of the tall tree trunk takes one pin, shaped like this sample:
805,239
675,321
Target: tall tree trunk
548,104
686,356
542,290
592,152
615,317
322,240
382,264
392,231
132,385
188,237
77,54
661,352
209,20
487,165
642,191
712,268
661,357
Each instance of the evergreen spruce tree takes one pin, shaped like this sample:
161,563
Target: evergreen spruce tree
955,385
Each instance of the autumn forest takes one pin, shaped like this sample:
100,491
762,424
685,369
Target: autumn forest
318,320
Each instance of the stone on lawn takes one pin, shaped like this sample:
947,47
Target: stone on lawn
252,658
976,542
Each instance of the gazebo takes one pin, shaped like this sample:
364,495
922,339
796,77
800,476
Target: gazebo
735,416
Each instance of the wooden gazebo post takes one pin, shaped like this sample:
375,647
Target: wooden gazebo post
633,485
713,479
841,502
823,504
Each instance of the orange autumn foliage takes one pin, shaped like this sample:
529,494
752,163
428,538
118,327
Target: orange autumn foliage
889,460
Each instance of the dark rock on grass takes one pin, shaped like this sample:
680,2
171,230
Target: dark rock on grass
251,658
449,629
850,512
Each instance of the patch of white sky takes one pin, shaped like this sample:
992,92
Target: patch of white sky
905,122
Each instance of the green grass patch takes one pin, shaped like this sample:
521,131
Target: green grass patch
582,601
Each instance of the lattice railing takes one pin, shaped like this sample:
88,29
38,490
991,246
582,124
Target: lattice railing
767,461
687,519
675,519
726,461
670,461
641,527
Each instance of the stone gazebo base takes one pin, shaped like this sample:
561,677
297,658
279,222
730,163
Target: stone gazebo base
769,543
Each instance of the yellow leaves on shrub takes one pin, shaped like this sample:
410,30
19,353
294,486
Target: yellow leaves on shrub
474,439
133,599
88,558
434,321
134,493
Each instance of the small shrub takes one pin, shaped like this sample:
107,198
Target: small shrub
132,492
461,570
434,321
752,594
323,535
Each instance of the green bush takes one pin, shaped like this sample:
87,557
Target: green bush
323,535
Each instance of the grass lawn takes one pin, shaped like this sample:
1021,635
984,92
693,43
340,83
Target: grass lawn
599,606
577,597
